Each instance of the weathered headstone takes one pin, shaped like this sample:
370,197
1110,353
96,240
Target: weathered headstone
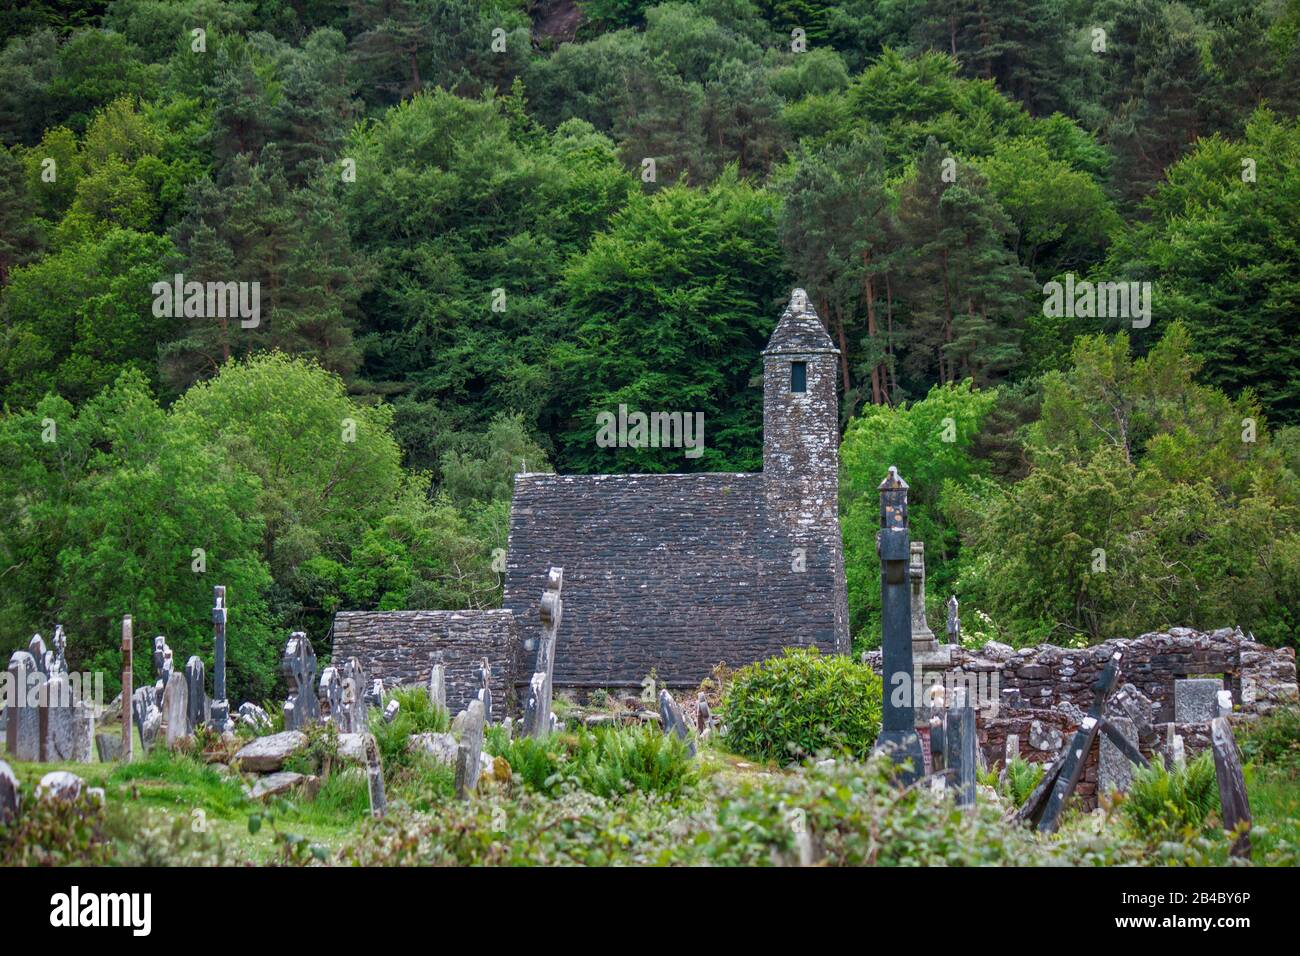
1196,700
1176,749
390,712
1224,703
673,722
147,716
898,737
923,639
10,796
703,715
60,785
67,726
40,655
58,656
375,778
953,626
960,762
163,666
1114,769
1232,785
331,696
537,714
176,710
109,746
23,721
1012,749
196,679
484,674
219,711
299,669
128,682
250,715
470,750
355,707
438,685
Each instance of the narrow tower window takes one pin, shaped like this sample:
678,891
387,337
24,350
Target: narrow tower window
798,376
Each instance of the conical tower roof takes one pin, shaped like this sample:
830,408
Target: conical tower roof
799,331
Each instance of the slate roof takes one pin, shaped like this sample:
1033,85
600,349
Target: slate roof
671,572
799,330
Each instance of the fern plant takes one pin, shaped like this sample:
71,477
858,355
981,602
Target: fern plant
1175,804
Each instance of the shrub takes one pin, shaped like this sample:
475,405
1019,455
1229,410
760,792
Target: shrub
56,833
607,761
1273,740
800,704
1164,805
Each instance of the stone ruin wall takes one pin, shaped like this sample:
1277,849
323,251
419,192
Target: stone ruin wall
1040,694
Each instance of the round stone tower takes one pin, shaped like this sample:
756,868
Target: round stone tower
801,457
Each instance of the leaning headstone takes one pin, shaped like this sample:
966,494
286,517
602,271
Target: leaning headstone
147,716
1196,700
1114,770
109,747
196,681
673,722
375,778
390,712
1232,785
470,750
299,669
10,797
68,726
176,710
23,721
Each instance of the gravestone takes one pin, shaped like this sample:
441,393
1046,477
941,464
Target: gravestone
470,750
1175,750
1232,785
923,639
484,674
1196,700
299,669
438,685
23,721
67,726
176,710
1114,769
1012,749
331,697
58,656
40,655
147,715
250,715
537,714
898,737
10,797
1224,702
127,749
219,711
953,626
390,712
109,746
355,706
196,681
673,722
703,715
163,666
375,778
960,762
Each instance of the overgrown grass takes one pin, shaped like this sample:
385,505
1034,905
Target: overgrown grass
417,714
1273,740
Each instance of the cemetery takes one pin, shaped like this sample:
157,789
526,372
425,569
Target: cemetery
665,685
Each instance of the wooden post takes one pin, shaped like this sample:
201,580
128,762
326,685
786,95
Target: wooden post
128,674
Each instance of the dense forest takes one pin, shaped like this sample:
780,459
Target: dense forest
476,223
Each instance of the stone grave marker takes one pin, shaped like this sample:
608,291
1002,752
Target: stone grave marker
23,720
163,666
960,762
10,797
375,778
673,722
923,639
484,674
176,710
1232,785
537,713
470,750
40,655
67,727
128,680
1114,769
196,681
299,668
147,716
219,710
438,684
331,696
1196,700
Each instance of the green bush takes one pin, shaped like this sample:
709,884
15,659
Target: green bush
1164,805
417,714
801,704
1273,740
56,833
1020,780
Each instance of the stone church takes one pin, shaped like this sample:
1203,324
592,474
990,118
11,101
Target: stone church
674,573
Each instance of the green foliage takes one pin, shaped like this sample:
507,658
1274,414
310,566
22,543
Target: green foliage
802,704
56,833
1273,740
417,715
1163,805
1021,779
606,761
